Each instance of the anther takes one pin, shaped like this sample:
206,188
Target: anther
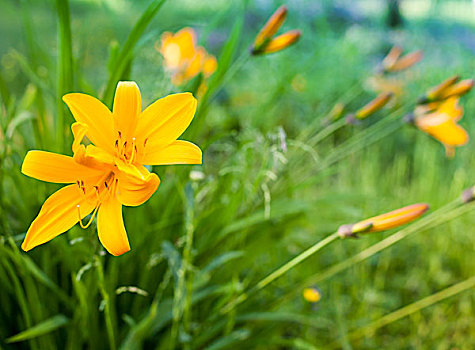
105,183
145,142
120,134
116,143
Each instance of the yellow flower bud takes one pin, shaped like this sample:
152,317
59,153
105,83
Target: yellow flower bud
385,221
373,106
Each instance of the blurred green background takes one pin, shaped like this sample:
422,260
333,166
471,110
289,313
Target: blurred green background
266,193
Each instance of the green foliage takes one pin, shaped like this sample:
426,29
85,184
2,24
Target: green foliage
275,181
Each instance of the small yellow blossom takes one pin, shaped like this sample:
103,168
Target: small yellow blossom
183,59
312,295
373,106
110,172
385,221
265,41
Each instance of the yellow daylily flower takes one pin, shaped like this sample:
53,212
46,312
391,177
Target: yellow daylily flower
385,221
435,93
265,43
110,172
183,58
442,125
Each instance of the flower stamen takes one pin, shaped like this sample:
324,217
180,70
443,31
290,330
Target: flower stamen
93,215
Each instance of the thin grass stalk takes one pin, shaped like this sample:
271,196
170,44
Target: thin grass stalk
413,308
65,77
279,272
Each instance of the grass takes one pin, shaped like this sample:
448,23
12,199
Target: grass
275,182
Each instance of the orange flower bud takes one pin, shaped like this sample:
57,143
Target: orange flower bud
271,27
434,93
282,41
385,221
406,61
265,43
459,89
391,58
373,106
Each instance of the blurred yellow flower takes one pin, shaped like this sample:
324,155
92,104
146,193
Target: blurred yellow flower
312,295
442,125
183,59
265,43
109,172
385,221
394,63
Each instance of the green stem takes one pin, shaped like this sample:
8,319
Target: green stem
106,301
279,272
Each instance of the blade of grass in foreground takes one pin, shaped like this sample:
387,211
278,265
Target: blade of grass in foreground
42,328
124,58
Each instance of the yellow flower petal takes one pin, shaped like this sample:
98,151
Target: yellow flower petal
57,215
165,120
110,227
98,118
135,185
58,168
178,152
127,107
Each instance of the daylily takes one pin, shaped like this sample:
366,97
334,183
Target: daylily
385,221
442,124
110,172
265,42
183,58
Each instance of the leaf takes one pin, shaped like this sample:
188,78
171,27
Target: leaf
42,328
18,120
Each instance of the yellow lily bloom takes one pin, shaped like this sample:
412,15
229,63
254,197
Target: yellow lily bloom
110,172
183,58
385,221
459,89
436,92
442,125
265,43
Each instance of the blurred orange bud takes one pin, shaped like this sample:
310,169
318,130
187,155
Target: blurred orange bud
384,222
312,295
373,106
271,27
442,125
435,93
459,89
391,58
407,61
282,41
265,43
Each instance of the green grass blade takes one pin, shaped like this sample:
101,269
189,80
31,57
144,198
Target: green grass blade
42,328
